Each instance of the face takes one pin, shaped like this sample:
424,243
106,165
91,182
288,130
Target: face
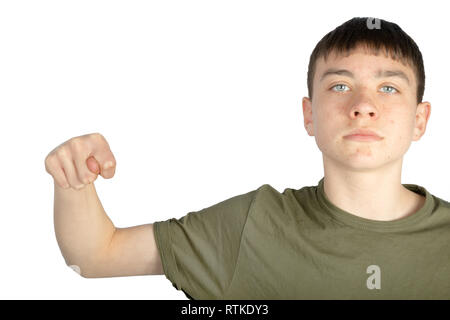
368,100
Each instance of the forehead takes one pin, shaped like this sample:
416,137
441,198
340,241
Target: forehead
363,63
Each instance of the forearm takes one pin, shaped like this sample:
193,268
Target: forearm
83,229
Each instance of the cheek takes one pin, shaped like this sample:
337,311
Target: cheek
400,127
327,134
398,135
324,124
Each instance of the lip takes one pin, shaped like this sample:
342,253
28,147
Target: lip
358,137
363,135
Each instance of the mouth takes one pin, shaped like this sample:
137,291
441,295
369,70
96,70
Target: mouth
364,138
363,135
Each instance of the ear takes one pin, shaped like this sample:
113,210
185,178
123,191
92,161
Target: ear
308,116
423,112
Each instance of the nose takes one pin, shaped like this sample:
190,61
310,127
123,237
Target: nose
363,107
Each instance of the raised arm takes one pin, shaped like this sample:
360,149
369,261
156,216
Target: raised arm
88,240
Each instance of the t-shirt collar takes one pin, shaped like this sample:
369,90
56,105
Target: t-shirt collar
405,223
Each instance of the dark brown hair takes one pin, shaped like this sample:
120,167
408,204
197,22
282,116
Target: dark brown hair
363,31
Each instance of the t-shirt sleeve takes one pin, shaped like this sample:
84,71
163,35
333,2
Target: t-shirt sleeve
199,251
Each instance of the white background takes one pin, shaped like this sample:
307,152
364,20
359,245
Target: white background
199,101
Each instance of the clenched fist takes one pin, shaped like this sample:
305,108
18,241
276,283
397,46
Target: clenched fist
78,161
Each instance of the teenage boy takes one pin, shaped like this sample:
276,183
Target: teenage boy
358,234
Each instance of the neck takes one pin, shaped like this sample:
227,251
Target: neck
372,195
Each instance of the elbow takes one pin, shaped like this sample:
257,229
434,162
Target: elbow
81,271
77,269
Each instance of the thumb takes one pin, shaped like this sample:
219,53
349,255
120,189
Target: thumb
93,165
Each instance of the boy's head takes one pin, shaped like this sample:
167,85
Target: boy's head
388,39
366,74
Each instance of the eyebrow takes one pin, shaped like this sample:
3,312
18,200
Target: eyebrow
380,74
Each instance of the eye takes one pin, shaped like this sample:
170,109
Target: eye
391,88
338,85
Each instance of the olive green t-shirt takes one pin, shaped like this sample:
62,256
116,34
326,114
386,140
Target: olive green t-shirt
298,245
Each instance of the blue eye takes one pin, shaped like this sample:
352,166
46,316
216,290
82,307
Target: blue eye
344,85
337,86
391,88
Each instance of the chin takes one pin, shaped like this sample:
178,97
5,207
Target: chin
358,161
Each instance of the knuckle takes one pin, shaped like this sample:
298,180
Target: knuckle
101,141
62,152
98,137
76,144
49,162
